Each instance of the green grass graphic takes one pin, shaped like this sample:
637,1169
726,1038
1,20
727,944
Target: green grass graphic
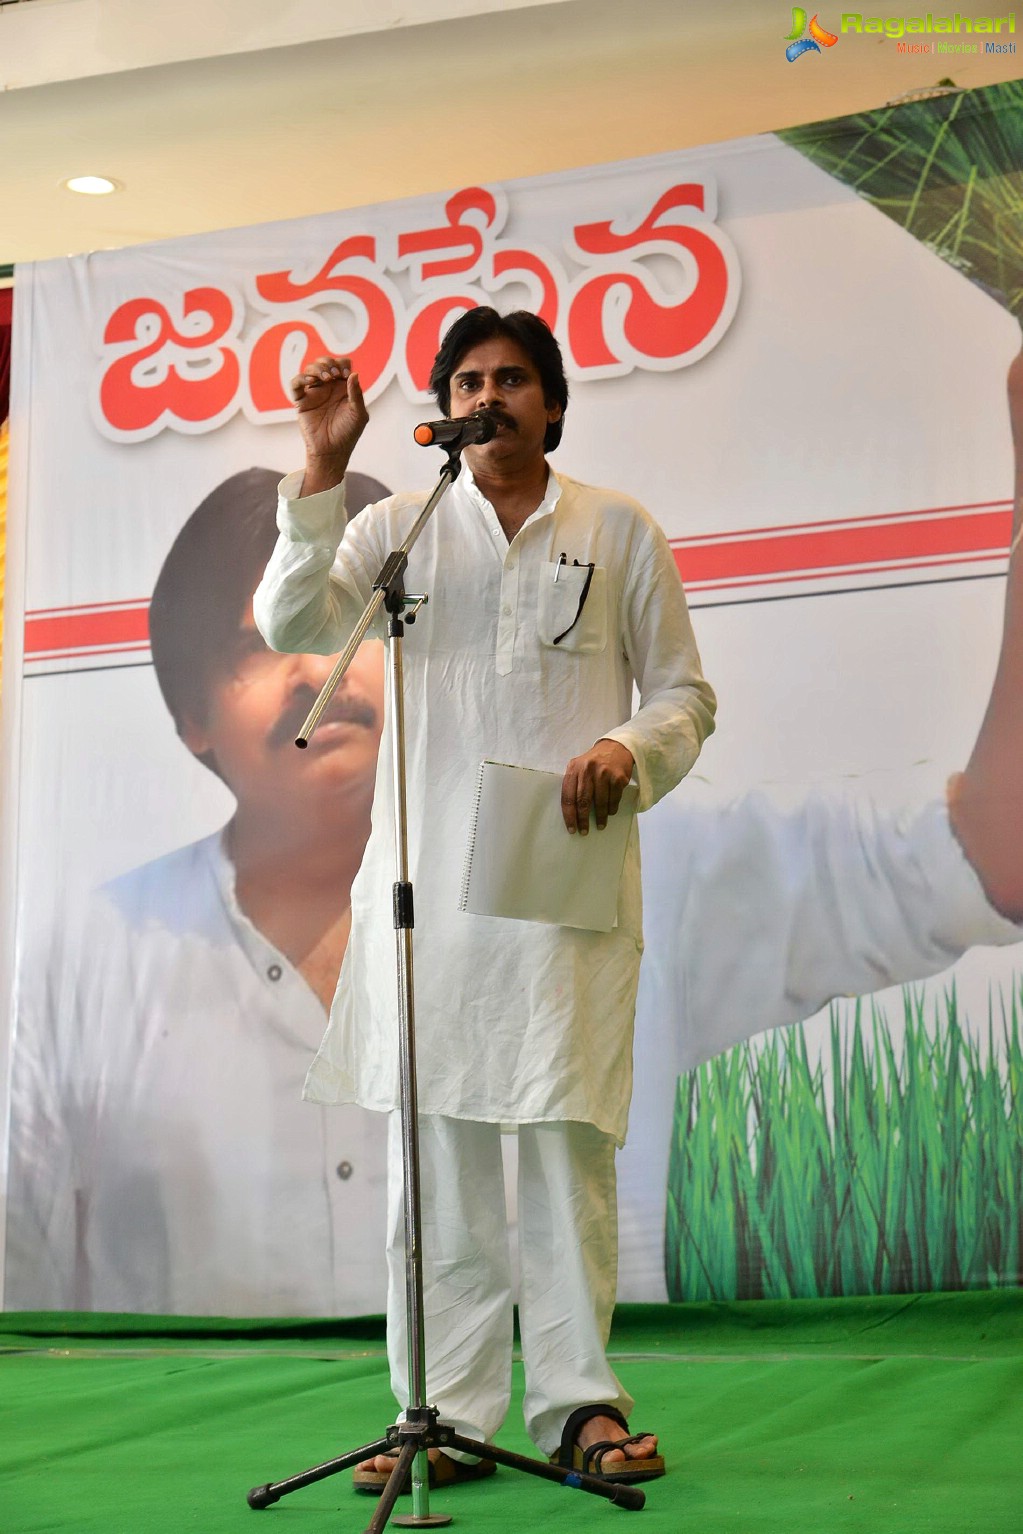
949,170
893,1166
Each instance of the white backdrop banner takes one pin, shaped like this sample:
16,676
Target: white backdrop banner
809,400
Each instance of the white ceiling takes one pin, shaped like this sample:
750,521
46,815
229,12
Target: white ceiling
217,113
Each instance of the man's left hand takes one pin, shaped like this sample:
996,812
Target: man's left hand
595,780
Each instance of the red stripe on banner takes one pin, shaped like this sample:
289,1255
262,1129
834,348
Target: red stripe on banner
875,519
771,556
85,607
790,578
87,629
839,547
128,649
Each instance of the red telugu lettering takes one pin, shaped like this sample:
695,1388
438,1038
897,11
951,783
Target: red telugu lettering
143,385
508,262
650,329
455,235
620,314
425,329
371,358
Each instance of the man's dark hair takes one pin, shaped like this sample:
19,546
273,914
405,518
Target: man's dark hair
207,580
528,331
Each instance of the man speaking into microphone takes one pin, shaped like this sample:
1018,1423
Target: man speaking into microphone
548,601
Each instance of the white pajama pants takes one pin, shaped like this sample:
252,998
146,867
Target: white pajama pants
568,1254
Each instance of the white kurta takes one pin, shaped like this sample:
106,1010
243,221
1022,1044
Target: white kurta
516,1021
162,1159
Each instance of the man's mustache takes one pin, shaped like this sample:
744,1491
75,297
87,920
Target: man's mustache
498,416
344,707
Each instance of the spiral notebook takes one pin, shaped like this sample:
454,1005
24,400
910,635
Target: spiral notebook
521,861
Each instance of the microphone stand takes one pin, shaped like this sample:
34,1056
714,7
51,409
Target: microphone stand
420,1428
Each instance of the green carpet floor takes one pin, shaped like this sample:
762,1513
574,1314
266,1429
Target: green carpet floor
874,1416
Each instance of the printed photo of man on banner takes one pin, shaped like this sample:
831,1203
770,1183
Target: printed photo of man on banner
841,513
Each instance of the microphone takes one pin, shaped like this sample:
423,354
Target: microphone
454,435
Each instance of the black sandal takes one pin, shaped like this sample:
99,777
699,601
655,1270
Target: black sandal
590,1460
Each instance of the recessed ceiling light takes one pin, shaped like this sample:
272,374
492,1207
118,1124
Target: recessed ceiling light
92,186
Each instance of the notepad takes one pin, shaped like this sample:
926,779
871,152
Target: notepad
521,861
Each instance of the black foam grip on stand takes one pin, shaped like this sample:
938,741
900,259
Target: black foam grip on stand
404,914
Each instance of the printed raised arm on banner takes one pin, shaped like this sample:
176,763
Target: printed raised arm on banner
986,800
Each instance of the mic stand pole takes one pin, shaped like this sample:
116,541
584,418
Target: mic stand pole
420,1428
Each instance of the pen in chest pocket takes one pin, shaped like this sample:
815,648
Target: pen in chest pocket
577,565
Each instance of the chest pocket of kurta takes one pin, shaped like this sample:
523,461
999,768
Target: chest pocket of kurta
571,612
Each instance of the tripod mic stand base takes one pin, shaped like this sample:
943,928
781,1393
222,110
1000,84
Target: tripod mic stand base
431,1521
421,1430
